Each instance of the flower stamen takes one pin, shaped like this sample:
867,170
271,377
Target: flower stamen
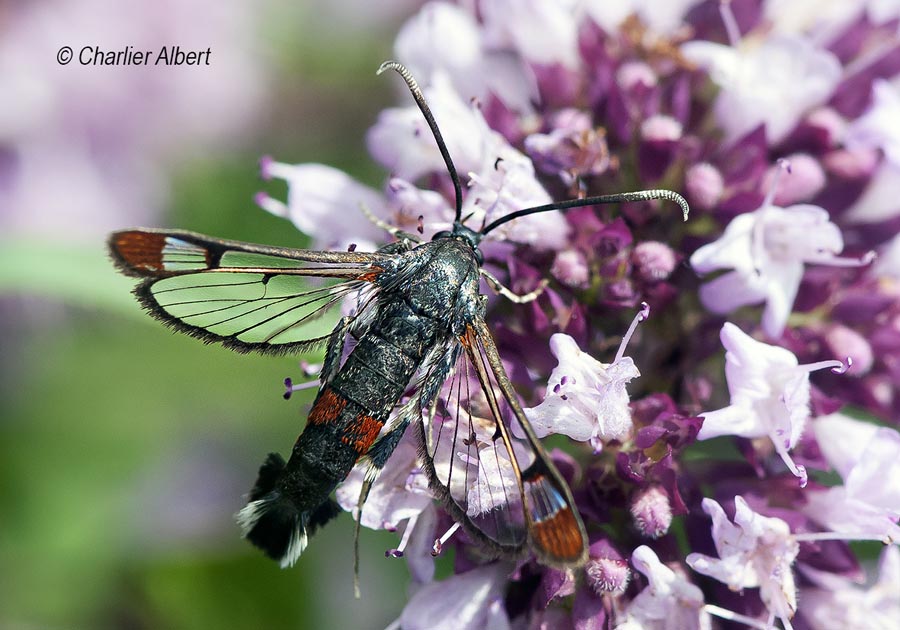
784,166
270,204
407,532
642,316
759,241
438,546
308,370
817,536
837,367
842,261
290,388
798,470
724,613
265,166
730,22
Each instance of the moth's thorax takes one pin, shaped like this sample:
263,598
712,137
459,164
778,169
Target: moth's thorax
444,279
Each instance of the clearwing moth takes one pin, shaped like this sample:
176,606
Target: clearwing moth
423,356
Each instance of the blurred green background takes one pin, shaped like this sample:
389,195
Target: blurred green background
125,449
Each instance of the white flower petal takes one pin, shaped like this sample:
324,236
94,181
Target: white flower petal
731,420
879,200
402,141
420,42
767,250
781,293
822,19
321,197
754,551
875,479
613,412
506,182
473,70
770,394
725,534
731,570
773,82
392,498
879,127
585,399
670,601
889,569
843,440
418,552
461,602
555,415
751,361
888,262
731,291
721,61
406,203
542,31
836,510
841,603
731,251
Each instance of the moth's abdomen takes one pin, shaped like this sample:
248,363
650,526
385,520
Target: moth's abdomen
350,411
291,499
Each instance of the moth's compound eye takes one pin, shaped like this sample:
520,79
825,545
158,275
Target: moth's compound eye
442,234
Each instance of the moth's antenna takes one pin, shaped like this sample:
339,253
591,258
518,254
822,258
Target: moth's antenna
429,118
641,195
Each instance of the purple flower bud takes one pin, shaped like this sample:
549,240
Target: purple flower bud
704,184
570,268
607,575
851,163
846,342
802,182
661,128
571,119
652,512
660,137
571,149
620,292
653,261
828,123
634,74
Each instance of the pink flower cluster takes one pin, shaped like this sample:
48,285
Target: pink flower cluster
780,122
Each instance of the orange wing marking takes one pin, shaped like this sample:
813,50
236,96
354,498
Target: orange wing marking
370,276
560,536
141,250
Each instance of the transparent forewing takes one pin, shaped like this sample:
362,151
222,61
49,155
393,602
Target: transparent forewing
250,308
249,297
470,466
556,534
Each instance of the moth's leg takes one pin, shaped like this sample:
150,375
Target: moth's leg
375,460
378,454
393,230
363,495
397,247
499,289
332,362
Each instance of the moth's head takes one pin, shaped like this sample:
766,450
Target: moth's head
461,233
